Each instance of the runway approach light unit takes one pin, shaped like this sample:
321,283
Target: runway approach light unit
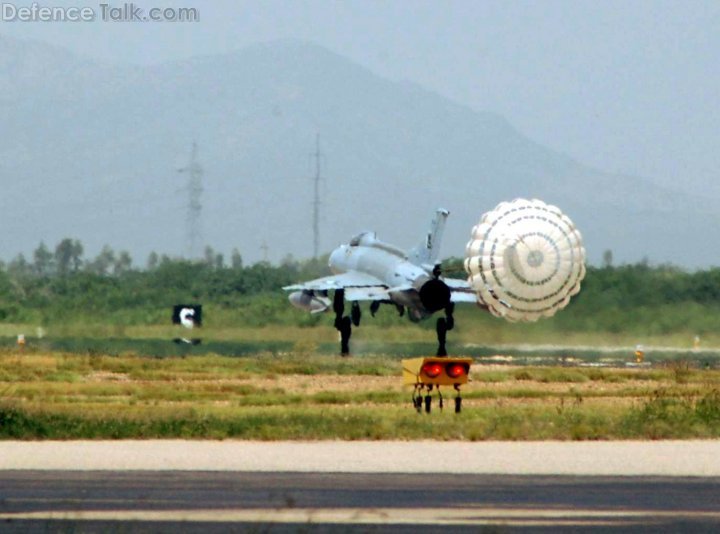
426,374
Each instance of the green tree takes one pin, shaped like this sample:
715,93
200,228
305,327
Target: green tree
43,260
103,262
76,255
123,263
209,256
153,261
63,256
608,259
19,266
236,260
68,256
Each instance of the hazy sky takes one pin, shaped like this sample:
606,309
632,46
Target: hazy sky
626,86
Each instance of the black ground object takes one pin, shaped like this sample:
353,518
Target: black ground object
186,341
458,404
374,307
355,313
428,403
345,333
442,336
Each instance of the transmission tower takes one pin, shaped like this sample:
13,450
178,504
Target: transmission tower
316,199
194,188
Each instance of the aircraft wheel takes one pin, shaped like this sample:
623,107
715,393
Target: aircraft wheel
345,333
355,313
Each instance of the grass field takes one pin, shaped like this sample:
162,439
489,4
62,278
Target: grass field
535,343
495,332
303,395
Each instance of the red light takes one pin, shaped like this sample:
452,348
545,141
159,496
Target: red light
432,370
456,370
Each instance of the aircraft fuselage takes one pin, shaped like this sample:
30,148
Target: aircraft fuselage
409,285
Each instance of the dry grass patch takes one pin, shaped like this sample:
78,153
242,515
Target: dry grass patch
306,396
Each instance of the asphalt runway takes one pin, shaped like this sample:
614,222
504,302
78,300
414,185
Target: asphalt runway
191,501
334,486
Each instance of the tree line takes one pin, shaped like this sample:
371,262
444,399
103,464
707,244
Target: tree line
67,257
60,283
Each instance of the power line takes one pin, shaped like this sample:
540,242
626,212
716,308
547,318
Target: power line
316,199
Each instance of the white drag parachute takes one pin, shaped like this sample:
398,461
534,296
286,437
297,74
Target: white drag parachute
525,260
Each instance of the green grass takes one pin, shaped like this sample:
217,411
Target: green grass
271,396
656,418
311,342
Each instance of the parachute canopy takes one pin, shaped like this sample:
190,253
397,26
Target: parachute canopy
525,260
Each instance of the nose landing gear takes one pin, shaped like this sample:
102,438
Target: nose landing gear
444,324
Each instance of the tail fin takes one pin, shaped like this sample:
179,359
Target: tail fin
426,253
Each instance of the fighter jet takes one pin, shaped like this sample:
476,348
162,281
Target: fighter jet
367,269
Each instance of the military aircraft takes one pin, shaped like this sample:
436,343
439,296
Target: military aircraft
525,260
367,269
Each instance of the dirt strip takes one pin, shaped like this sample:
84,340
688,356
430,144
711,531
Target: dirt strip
618,458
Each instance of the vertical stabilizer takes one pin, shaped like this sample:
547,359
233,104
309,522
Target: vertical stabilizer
426,253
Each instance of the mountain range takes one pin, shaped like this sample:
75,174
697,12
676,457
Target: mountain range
91,150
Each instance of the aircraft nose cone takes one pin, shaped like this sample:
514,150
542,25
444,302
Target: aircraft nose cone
336,260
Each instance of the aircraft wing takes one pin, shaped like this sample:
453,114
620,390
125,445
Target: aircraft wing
460,291
357,286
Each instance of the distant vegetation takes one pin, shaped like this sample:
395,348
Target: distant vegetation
61,287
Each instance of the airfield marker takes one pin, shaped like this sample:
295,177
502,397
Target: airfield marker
426,374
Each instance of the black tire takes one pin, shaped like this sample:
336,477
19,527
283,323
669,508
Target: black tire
345,333
355,313
339,302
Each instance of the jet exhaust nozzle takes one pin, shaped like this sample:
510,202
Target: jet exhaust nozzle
434,295
309,301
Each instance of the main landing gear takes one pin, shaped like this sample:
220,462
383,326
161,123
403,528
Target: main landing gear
343,324
444,324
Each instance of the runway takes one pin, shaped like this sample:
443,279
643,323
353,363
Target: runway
278,502
347,486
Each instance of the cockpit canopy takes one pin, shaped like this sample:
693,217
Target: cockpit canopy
364,238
